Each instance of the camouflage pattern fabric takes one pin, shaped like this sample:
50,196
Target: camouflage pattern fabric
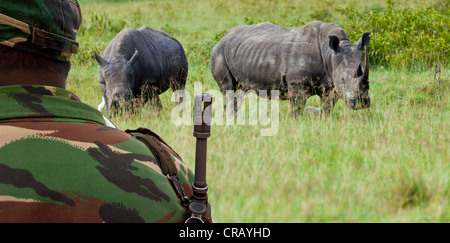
59,162
42,27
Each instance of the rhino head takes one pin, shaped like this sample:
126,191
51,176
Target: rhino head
117,79
350,80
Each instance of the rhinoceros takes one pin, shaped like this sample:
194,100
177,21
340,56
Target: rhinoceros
313,59
140,63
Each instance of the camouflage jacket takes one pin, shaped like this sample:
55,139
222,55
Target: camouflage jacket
59,162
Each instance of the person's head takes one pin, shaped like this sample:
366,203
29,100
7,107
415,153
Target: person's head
37,41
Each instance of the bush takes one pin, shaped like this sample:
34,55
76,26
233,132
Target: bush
200,52
402,38
100,24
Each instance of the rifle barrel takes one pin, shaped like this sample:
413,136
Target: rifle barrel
202,130
199,208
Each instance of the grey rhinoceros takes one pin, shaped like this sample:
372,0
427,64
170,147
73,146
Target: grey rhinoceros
314,59
140,63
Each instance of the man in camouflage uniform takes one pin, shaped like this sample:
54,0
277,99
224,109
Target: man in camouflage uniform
59,161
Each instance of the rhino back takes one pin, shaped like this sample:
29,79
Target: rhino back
262,56
160,55
166,49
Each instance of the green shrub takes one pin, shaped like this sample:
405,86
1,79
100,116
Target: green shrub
200,52
402,38
85,55
100,24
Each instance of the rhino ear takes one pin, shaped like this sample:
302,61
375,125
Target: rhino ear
134,58
364,41
100,60
334,42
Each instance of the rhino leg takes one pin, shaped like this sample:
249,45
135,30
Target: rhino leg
327,102
297,99
227,84
150,94
178,82
155,102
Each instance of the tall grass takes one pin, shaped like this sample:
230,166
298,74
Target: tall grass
389,163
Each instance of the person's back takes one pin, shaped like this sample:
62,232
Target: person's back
59,160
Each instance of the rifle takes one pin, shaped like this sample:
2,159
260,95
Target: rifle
199,210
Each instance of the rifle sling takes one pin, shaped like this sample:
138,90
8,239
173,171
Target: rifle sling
165,161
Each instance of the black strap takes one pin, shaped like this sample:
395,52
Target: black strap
154,144
165,161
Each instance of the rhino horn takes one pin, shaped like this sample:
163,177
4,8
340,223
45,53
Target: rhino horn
134,58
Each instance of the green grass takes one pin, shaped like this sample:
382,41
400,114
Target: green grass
389,163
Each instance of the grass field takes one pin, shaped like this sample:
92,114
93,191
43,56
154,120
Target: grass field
389,163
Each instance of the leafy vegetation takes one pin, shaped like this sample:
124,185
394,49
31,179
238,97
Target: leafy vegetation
402,38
